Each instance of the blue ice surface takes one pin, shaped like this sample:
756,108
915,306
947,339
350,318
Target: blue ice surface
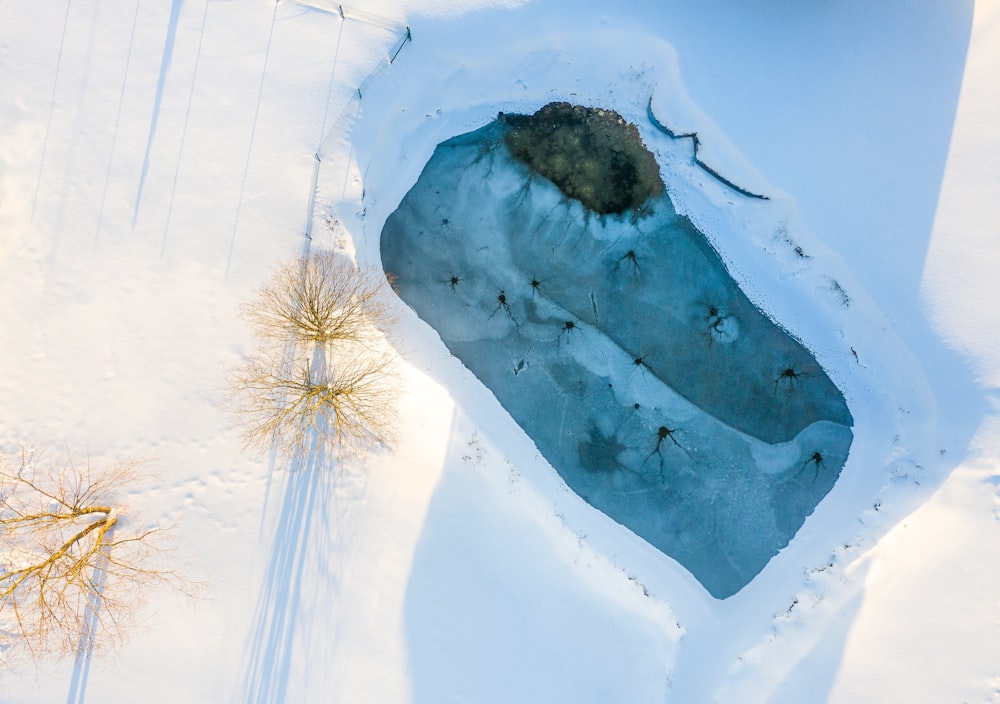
622,346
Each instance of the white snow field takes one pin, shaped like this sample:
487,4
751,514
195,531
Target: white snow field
157,162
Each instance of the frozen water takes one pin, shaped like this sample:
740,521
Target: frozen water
623,347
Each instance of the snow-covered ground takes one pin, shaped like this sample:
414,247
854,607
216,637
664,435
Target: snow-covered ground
156,163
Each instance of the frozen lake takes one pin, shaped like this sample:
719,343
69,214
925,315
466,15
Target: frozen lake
622,346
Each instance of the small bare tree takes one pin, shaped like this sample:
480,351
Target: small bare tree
325,377
345,406
323,299
72,567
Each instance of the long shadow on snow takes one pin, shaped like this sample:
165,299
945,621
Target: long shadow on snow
312,532
278,606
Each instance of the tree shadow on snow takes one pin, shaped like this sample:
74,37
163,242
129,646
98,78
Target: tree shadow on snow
313,508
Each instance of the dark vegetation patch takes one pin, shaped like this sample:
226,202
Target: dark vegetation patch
591,154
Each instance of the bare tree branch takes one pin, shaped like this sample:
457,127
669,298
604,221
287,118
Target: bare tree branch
321,299
59,552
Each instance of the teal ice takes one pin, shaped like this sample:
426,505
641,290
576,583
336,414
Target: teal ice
622,346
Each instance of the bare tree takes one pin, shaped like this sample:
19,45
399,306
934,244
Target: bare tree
344,406
323,299
73,567
325,377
